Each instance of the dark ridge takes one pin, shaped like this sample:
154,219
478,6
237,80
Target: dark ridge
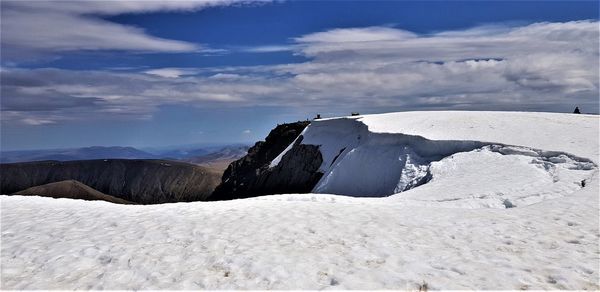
251,176
138,181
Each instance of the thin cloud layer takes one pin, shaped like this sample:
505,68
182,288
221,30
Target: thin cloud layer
357,35
542,66
481,42
31,28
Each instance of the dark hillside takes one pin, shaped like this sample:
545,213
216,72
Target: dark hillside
138,181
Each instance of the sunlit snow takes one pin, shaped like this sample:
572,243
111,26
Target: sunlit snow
507,212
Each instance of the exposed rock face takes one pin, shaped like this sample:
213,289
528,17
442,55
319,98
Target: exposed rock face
251,176
139,181
296,173
70,189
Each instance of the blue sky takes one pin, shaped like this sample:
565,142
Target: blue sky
152,73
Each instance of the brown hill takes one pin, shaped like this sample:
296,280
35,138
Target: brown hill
70,189
217,165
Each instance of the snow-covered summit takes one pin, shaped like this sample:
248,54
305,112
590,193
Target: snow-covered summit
571,133
526,184
517,157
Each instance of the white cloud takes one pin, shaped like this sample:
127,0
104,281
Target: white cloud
38,27
37,122
548,64
543,66
246,132
268,49
226,76
350,35
484,42
170,72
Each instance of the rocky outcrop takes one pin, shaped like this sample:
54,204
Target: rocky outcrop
251,175
298,172
138,181
70,189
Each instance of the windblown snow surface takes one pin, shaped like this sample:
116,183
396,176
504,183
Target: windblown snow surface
456,200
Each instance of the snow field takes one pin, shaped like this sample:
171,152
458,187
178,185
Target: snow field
457,173
486,178
550,240
276,243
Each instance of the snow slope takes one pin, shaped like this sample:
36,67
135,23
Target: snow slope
499,177
318,241
382,155
548,131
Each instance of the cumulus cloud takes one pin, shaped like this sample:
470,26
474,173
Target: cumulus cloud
41,27
542,66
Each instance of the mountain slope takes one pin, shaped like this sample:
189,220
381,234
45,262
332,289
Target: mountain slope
139,181
221,158
230,153
71,189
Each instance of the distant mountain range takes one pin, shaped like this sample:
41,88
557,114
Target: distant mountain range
227,153
94,152
127,175
118,174
184,153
